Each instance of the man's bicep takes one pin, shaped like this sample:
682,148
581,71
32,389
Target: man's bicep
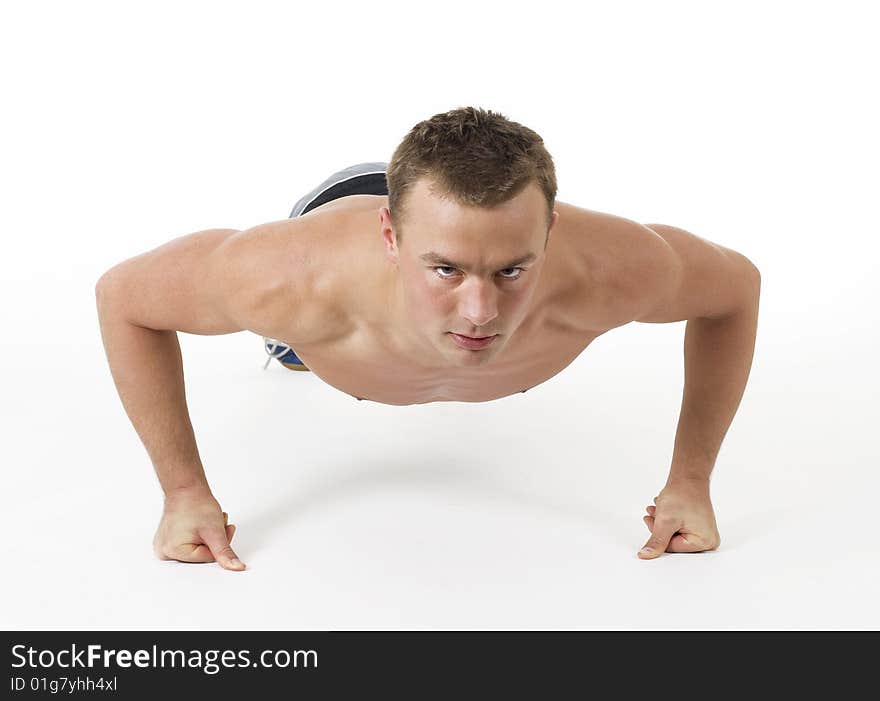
210,282
176,286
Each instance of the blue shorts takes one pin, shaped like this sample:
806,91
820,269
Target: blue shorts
359,179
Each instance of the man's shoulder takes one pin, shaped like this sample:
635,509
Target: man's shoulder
612,253
293,279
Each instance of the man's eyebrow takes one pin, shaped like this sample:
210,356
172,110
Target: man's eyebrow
437,259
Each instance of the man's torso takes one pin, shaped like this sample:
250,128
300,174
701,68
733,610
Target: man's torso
580,295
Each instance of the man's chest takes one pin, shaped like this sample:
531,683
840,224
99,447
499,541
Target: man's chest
361,365
578,299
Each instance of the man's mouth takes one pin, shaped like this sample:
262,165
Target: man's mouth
471,342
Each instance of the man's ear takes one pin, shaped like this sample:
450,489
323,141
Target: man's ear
553,220
388,234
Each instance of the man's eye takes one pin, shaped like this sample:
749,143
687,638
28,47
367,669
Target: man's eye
506,277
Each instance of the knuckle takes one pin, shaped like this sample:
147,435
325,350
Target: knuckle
226,552
160,549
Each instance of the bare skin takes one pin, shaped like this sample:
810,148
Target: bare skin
386,317
544,331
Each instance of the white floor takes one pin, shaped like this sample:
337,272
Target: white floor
522,513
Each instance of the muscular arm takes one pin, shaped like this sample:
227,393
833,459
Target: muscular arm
216,281
717,291
141,304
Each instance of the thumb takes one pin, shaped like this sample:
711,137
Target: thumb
215,538
661,534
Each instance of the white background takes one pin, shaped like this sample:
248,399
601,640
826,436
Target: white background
751,124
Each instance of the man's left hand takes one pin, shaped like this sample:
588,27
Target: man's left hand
682,521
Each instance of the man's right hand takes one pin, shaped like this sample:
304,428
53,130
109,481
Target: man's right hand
194,529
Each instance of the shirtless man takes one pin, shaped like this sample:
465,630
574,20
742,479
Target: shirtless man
377,291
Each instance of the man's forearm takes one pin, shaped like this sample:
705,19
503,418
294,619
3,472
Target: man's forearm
147,369
718,358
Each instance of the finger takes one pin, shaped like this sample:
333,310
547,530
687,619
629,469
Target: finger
230,531
651,510
660,537
225,518
192,552
215,538
687,543
681,542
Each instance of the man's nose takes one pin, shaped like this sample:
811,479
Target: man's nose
479,305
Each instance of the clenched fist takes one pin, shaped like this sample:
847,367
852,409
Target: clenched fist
682,521
194,529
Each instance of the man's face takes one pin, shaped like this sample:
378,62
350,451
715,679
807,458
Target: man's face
460,269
